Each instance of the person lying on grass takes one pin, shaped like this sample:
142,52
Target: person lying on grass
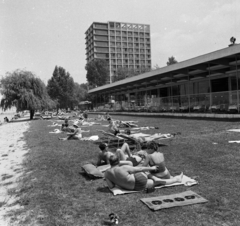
84,123
139,137
100,118
123,153
125,124
76,135
132,178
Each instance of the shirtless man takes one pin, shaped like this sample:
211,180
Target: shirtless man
133,178
103,155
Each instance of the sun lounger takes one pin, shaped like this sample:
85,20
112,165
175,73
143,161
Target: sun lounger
111,136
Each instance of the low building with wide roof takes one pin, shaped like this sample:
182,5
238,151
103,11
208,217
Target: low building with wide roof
207,83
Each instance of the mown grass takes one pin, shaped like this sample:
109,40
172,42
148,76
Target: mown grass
56,192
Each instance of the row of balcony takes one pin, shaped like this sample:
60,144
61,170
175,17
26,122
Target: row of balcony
113,33
129,63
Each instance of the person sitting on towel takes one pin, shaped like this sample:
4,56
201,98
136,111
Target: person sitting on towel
104,154
65,124
112,128
156,158
76,135
85,115
66,128
132,178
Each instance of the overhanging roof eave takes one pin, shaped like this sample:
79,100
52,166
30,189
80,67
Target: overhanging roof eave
181,65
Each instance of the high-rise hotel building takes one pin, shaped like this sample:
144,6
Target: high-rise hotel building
122,45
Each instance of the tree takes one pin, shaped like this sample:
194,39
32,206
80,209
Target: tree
124,72
24,91
97,72
80,93
61,88
171,60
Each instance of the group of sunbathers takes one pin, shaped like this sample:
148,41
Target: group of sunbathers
142,170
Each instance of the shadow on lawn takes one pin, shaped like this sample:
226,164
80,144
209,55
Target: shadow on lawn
83,174
103,189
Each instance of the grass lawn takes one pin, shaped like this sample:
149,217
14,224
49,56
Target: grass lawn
55,191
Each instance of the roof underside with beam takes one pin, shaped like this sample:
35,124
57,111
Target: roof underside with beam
212,64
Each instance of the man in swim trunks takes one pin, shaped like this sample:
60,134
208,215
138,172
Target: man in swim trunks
133,178
104,154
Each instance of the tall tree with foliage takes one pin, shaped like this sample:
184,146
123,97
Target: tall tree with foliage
23,90
97,72
80,93
124,72
171,60
61,88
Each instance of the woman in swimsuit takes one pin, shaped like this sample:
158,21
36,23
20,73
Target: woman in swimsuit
156,158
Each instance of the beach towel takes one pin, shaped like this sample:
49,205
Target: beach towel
92,138
234,141
54,125
234,130
186,181
56,131
173,200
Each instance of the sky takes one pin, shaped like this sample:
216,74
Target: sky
37,35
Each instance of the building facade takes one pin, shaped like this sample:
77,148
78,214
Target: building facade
208,83
122,45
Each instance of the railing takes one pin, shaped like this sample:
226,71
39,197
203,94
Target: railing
220,102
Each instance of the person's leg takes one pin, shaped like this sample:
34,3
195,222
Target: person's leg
65,138
125,149
120,154
172,180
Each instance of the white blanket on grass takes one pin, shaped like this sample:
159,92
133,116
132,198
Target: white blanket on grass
234,130
56,131
234,141
186,181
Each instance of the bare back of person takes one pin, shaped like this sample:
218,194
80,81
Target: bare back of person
104,156
157,159
120,176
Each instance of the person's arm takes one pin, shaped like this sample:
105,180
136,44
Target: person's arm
136,169
73,133
110,184
122,163
85,131
146,161
99,161
107,158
